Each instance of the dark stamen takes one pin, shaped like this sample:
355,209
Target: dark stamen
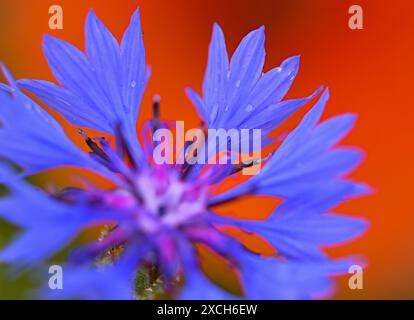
94,146
162,210
156,112
241,166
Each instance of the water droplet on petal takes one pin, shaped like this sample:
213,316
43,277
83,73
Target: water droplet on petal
249,108
226,108
238,83
133,84
278,69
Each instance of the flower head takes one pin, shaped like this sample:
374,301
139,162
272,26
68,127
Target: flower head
157,214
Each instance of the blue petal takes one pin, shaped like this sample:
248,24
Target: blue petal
267,278
135,76
68,104
331,131
245,69
323,198
197,286
40,242
198,103
32,138
236,95
298,136
107,283
274,85
301,236
102,90
291,181
215,80
270,117
72,69
300,226
104,56
48,225
305,159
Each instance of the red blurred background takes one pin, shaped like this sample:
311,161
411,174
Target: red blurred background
367,71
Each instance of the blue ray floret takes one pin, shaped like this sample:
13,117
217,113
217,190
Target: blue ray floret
31,137
48,224
237,94
103,89
156,217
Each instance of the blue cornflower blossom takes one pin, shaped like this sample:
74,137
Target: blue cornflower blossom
156,215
